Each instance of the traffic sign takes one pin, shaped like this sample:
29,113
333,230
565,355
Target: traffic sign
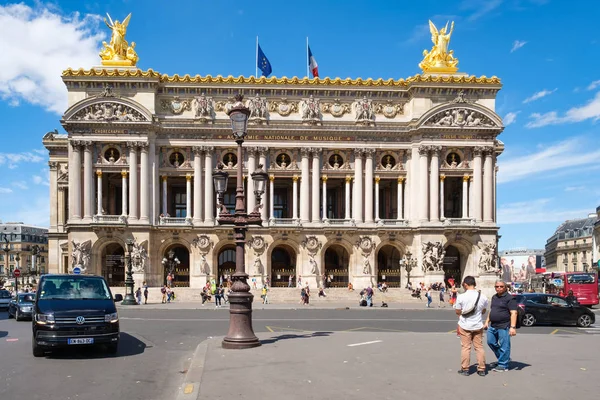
76,270
17,273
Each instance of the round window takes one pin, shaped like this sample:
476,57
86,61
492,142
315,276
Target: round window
388,161
453,159
176,159
112,154
283,160
336,161
230,160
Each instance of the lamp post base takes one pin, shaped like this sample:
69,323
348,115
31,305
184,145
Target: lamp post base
129,299
240,335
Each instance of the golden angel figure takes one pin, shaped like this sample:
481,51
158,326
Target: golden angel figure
440,58
118,51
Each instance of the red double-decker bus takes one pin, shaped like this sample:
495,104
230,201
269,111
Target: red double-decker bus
583,284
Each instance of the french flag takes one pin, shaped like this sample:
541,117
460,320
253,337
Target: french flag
312,64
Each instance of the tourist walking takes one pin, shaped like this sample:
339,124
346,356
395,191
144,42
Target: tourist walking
470,307
138,296
501,324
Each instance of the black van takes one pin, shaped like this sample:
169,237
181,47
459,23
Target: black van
74,310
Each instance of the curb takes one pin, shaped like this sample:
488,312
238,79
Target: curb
190,389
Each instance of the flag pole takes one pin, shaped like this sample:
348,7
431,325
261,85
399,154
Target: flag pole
307,60
256,63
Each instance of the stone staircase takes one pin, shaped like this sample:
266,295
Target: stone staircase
292,295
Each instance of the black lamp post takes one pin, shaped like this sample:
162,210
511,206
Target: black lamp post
129,299
6,249
409,264
35,251
240,335
169,263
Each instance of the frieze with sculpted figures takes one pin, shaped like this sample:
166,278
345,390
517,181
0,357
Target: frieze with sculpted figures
176,105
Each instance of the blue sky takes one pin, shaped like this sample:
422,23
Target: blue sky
546,52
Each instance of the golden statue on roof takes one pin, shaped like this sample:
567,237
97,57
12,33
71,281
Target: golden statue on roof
118,52
439,60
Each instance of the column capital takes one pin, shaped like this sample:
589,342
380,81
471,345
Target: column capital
466,178
143,146
124,174
263,151
197,150
305,152
188,177
76,144
435,150
62,188
348,179
423,150
401,179
377,179
164,178
316,151
131,145
208,149
358,152
324,178
478,151
52,165
99,172
271,178
442,178
295,178
369,152
488,151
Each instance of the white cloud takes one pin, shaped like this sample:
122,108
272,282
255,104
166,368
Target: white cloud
591,110
535,211
569,155
38,180
21,185
511,118
593,85
36,212
5,190
37,45
480,7
539,95
13,159
517,44
574,188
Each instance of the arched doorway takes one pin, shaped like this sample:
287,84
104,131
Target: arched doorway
388,266
283,266
177,260
113,264
452,265
226,263
336,266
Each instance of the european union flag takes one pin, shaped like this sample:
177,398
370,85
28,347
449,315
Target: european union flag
263,63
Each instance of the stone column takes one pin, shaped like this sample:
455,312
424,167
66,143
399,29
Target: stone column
357,199
477,192
133,181
154,180
54,204
144,184
295,197
124,193
250,184
369,186
471,215
61,208
197,185
434,184
271,196
99,193
442,196
324,195
188,196
408,209
88,183
488,186
465,198
423,197
304,187
400,194
377,179
347,214
262,159
75,189
209,208
164,195
316,173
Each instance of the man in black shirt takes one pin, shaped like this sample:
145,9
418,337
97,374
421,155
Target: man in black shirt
501,324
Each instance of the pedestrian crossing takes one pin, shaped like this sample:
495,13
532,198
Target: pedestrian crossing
592,329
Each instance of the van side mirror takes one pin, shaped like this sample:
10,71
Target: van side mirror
118,297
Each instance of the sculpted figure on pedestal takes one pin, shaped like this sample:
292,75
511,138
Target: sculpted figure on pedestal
487,260
81,255
433,256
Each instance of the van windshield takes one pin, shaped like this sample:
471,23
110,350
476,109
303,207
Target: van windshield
74,288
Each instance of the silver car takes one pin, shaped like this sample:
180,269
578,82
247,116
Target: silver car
21,306
5,298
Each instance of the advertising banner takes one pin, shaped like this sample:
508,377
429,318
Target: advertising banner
519,268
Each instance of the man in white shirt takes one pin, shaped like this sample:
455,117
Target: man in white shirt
470,307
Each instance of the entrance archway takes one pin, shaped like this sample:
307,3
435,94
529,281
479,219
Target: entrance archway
336,266
226,263
113,264
388,266
283,266
452,265
181,269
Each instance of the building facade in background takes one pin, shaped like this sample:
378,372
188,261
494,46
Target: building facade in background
27,250
570,248
361,173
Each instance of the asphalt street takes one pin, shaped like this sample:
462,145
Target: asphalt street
157,345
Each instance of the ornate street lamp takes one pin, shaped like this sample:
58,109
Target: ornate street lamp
170,262
129,299
409,263
240,335
6,249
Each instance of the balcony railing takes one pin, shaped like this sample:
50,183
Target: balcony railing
175,221
284,222
392,222
109,219
339,222
459,221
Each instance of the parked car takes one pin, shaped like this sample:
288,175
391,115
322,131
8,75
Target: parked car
21,306
5,298
541,308
74,310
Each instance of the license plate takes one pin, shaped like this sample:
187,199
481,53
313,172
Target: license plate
81,341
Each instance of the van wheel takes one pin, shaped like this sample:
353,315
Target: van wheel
17,316
112,348
584,321
528,320
37,351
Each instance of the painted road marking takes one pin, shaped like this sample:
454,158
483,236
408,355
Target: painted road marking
12,340
363,343
269,329
554,331
189,388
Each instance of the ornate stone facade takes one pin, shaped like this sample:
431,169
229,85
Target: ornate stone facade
360,173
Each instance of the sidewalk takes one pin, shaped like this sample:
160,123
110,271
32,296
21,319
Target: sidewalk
383,365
